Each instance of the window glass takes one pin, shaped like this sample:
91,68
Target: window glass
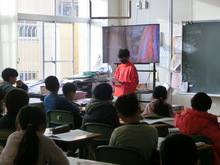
44,7
27,30
75,8
81,55
30,52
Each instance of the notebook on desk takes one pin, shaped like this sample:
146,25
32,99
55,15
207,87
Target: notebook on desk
68,135
166,120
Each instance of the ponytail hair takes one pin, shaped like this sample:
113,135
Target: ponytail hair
29,118
161,108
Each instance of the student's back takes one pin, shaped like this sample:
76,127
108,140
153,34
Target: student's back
100,109
197,121
55,102
159,106
133,135
178,149
28,145
15,99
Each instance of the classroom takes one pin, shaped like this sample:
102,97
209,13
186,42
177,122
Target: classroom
163,12
65,38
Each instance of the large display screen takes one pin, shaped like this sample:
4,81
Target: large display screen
143,42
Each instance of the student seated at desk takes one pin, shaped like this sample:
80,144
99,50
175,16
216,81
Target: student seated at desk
133,135
69,92
55,102
159,106
15,99
28,145
9,76
178,149
100,109
197,121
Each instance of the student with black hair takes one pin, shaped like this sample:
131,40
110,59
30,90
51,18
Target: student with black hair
133,135
28,145
100,109
158,106
178,149
15,99
197,121
69,91
126,73
9,76
2,97
54,102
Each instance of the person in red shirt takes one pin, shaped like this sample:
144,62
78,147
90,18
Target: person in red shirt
126,73
197,121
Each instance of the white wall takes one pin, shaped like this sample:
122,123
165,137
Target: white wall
183,10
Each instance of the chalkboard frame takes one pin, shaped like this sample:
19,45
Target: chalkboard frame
201,62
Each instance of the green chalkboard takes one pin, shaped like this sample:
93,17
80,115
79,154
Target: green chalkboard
201,57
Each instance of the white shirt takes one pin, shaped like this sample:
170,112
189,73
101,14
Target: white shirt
49,152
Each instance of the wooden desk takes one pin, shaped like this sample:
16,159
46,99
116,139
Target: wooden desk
162,127
72,136
76,161
82,138
37,102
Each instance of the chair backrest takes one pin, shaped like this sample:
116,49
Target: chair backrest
104,129
4,134
119,155
61,117
205,155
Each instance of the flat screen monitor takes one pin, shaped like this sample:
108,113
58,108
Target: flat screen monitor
143,42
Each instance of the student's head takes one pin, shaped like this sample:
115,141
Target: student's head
10,75
52,83
124,55
30,119
69,90
161,108
2,96
178,149
15,99
201,102
103,91
160,92
127,105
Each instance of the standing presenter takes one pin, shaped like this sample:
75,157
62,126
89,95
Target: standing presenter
126,74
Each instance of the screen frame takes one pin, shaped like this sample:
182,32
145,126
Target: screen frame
127,26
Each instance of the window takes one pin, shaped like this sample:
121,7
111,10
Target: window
65,9
27,30
28,75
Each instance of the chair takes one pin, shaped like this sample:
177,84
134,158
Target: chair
4,134
104,129
205,155
119,155
61,117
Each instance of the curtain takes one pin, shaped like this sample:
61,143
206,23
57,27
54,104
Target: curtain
8,34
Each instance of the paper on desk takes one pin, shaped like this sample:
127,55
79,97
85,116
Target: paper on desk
166,120
71,135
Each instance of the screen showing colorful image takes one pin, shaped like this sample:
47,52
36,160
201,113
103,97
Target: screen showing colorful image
143,42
